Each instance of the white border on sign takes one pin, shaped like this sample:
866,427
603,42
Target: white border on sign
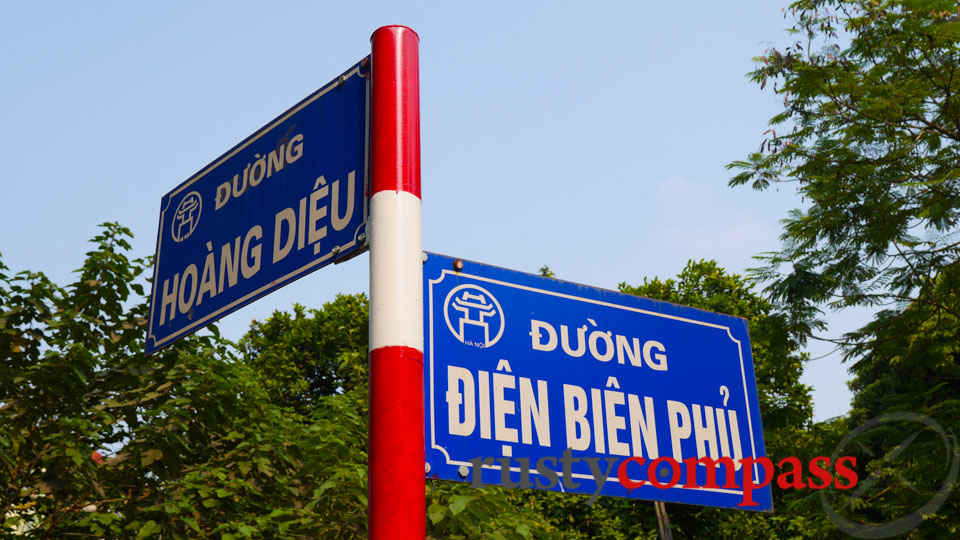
450,461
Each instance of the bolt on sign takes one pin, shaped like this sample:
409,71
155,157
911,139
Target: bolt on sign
541,383
287,200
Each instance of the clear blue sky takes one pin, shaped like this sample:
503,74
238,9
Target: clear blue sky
591,137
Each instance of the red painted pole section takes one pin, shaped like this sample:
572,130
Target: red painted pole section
395,111
396,450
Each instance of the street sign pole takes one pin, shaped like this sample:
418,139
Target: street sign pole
396,445
663,521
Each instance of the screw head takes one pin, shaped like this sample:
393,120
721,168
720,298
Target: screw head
463,471
458,265
361,237
426,468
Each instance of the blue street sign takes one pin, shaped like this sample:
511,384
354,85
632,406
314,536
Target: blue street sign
536,382
289,199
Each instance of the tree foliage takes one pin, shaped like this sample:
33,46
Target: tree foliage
98,440
911,366
869,135
305,355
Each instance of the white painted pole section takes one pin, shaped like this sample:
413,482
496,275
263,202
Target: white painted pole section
396,271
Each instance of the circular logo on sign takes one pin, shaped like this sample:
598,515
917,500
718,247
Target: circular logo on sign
898,472
473,316
186,217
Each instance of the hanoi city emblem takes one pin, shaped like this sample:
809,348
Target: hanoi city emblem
186,217
474,316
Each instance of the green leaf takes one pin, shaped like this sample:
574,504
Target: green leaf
458,503
192,522
149,528
436,512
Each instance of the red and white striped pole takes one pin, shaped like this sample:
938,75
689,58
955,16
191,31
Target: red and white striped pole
396,476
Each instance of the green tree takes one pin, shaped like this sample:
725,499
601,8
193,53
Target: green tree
869,135
98,440
910,366
305,355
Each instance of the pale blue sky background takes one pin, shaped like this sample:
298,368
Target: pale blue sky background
590,136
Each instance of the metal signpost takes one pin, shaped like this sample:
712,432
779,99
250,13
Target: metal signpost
397,508
288,200
542,383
